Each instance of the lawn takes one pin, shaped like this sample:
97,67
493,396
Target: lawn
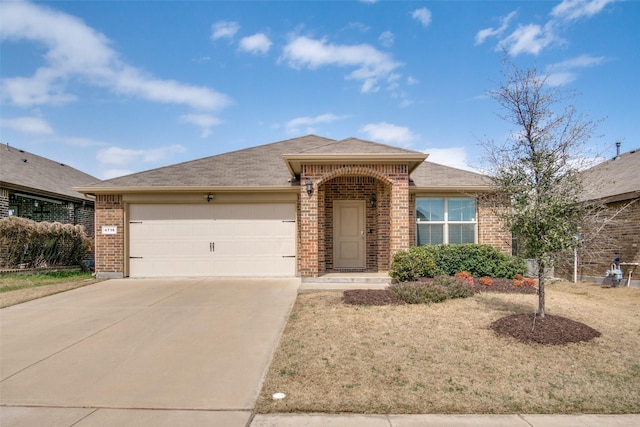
443,358
19,288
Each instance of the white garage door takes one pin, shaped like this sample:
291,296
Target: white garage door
212,240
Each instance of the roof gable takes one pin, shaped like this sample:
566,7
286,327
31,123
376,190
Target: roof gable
29,172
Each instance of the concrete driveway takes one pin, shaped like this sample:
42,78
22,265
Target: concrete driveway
141,352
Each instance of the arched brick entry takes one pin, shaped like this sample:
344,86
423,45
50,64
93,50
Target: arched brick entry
385,190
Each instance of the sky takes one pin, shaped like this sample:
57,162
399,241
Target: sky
117,87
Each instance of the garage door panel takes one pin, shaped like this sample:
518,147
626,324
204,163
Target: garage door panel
176,240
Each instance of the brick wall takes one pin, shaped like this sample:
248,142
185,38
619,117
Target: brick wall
491,229
354,188
387,226
109,251
620,237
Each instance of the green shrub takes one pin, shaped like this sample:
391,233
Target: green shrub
435,260
417,262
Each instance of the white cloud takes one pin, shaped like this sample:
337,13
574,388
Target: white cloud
387,39
412,81
123,156
423,16
29,125
224,29
114,173
562,78
533,38
83,142
257,43
562,73
204,121
483,35
388,133
575,9
372,65
455,157
578,62
76,51
293,126
530,38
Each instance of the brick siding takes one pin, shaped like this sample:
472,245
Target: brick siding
619,238
491,229
387,226
109,248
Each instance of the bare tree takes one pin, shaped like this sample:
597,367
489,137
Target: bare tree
538,166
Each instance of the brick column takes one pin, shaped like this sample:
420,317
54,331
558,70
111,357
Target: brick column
308,256
400,237
109,253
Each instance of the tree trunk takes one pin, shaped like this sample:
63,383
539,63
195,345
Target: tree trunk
541,268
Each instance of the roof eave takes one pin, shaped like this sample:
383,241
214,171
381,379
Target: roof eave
50,194
294,161
453,189
186,189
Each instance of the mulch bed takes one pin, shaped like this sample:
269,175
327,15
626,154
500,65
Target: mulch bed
548,330
386,297
553,330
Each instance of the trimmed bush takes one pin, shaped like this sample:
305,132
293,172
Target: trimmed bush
437,290
41,244
419,292
435,260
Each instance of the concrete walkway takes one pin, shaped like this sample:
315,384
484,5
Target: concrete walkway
183,352
327,420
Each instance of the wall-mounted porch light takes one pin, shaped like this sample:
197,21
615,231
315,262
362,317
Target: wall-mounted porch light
309,185
373,201
209,197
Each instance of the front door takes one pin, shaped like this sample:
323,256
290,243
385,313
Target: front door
349,234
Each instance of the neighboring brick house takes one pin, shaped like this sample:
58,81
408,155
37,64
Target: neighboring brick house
616,183
40,189
305,206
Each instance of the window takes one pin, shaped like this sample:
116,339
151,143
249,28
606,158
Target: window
446,220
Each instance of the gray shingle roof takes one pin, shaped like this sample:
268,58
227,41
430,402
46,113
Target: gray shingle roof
617,178
264,166
433,176
21,170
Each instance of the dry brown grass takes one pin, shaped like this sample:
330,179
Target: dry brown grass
443,358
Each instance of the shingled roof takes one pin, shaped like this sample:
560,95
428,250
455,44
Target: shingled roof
614,180
266,166
24,171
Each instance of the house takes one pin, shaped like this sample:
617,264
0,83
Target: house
616,184
40,189
300,207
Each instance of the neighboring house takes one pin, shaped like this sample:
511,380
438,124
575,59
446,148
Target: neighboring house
305,206
616,183
41,189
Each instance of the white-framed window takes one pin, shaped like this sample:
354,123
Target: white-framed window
451,220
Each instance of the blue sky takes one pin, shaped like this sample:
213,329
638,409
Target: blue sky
114,87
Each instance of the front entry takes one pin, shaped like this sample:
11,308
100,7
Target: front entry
349,234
